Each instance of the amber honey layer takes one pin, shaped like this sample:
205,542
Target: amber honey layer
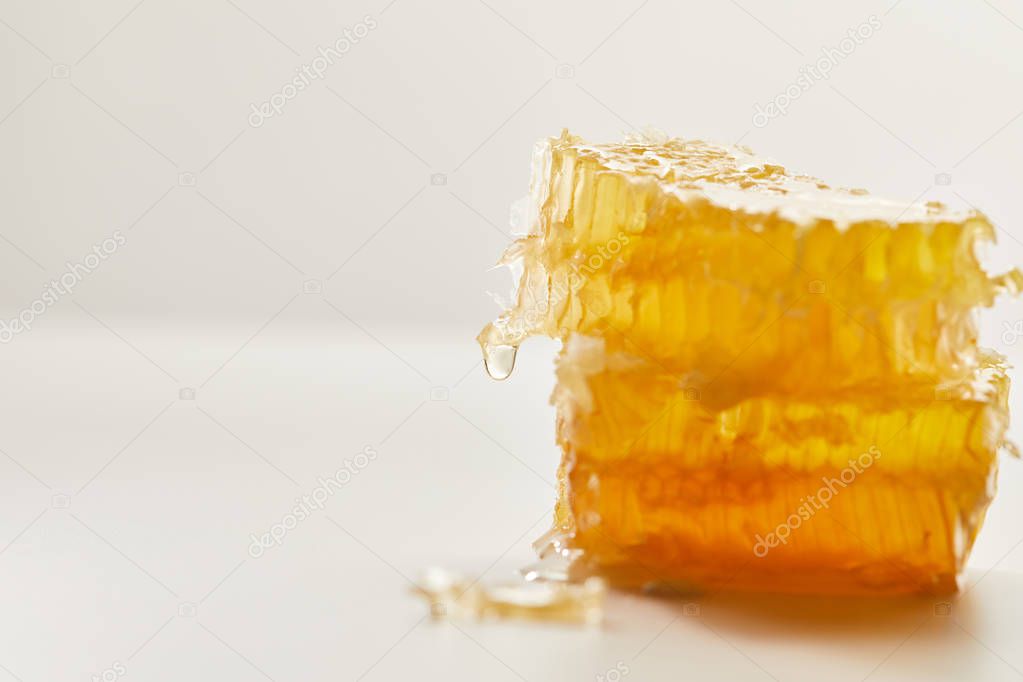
878,535
855,494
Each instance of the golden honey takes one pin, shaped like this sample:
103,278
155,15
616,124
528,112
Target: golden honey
766,383
871,492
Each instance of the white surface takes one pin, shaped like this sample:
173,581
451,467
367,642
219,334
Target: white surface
129,116
164,494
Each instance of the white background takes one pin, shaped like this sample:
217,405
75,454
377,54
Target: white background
127,510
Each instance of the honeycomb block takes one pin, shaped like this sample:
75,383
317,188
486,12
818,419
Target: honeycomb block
766,382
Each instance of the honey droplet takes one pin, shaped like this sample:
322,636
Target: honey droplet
499,360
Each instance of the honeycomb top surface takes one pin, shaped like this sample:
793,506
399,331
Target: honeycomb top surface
732,177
